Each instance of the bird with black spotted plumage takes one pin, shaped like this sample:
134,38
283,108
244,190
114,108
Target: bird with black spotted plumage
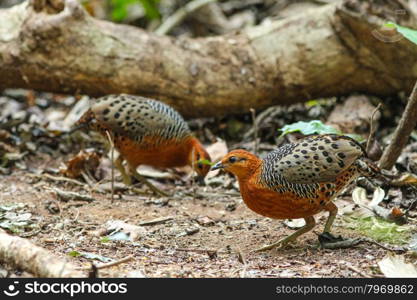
145,132
298,180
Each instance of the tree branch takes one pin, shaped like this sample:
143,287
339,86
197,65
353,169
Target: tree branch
402,133
328,51
180,15
21,253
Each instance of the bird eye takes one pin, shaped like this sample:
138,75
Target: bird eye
232,159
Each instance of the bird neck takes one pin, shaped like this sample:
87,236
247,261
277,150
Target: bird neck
252,168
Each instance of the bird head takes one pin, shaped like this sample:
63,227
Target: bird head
239,162
200,160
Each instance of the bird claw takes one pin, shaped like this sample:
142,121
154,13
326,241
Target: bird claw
327,237
278,245
329,241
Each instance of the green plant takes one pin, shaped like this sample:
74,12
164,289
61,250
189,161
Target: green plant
315,127
119,8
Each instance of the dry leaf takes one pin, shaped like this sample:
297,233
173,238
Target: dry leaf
84,161
394,215
217,150
295,223
395,266
133,232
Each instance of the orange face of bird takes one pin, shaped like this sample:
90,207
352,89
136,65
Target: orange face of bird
238,162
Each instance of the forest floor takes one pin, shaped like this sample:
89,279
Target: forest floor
210,236
199,231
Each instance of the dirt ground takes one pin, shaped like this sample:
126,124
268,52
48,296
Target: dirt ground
211,234
199,231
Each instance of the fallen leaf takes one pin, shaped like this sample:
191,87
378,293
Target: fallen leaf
295,223
395,266
84,161
353,115
119,230
217,150
394,214
95,257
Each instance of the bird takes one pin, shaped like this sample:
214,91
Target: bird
145,132
299,180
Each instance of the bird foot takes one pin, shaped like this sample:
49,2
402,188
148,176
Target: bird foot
279,245
329,241
153,188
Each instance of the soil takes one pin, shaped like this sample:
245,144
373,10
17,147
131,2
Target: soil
200,231
206,236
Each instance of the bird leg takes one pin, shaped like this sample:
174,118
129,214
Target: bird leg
328,240
118,163
310,223
127,180
143,180
332,209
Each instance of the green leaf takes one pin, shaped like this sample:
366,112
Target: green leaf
380,230
151,8
205,162
74,253
408,33
105,239
312,103
321,101
120,9
306,128
315,127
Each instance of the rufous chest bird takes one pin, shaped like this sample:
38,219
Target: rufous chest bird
145,132
298,180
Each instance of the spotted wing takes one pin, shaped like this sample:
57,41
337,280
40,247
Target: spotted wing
316,159
138,117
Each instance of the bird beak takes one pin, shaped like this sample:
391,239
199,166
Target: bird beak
219,165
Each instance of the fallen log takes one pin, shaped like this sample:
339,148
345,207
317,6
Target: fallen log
328,51
23,254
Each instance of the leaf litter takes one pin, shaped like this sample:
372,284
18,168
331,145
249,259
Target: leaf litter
199,231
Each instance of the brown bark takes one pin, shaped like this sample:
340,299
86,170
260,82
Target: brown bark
327,51
402,133
22,254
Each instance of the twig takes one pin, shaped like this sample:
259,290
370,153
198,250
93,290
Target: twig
67,196
156,221
110,264
241,257
112,164
180,15
192,174
208,251
352,268
372,130
87,177
58,178
402,133
255,130
348,243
